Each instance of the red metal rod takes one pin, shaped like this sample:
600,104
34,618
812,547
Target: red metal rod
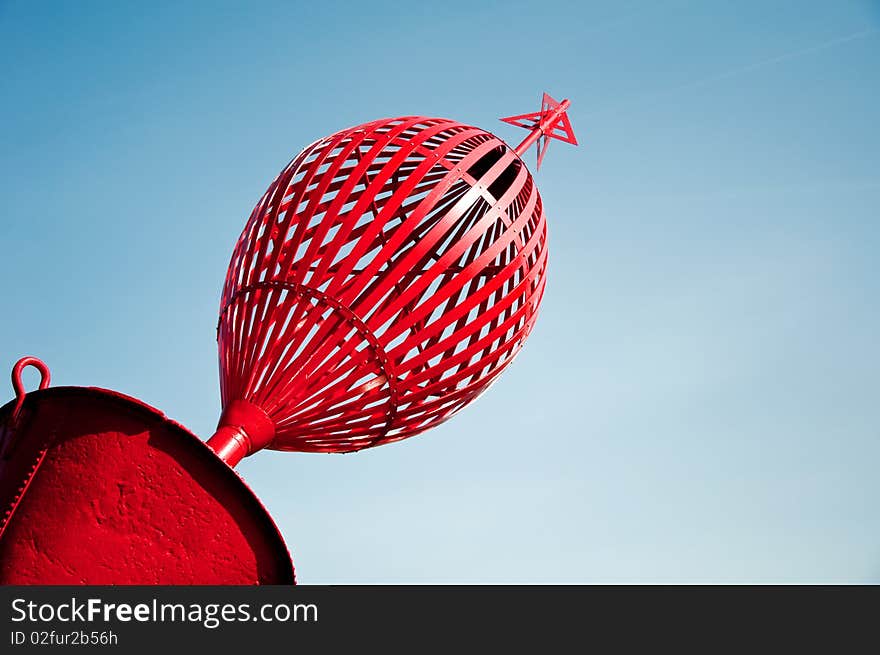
244,429
18,386
547,123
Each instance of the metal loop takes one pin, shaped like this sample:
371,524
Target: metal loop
17,384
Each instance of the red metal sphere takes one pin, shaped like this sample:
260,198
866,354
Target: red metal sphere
385,279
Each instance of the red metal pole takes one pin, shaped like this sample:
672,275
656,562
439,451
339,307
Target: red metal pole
244,429
546,123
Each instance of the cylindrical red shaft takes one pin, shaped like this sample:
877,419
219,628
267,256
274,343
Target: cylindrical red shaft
244,428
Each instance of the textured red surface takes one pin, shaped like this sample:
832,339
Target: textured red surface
125,496
386,278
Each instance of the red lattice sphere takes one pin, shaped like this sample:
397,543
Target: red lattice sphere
385,279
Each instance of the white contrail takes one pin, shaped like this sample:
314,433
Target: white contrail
794,54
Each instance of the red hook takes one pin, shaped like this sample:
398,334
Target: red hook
17,385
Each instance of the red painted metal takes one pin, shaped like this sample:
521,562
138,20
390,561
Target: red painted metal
384,280
387,277
99,488
549,123
18,386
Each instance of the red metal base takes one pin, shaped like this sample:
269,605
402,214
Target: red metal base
99,488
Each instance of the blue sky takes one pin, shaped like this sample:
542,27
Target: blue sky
699,399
